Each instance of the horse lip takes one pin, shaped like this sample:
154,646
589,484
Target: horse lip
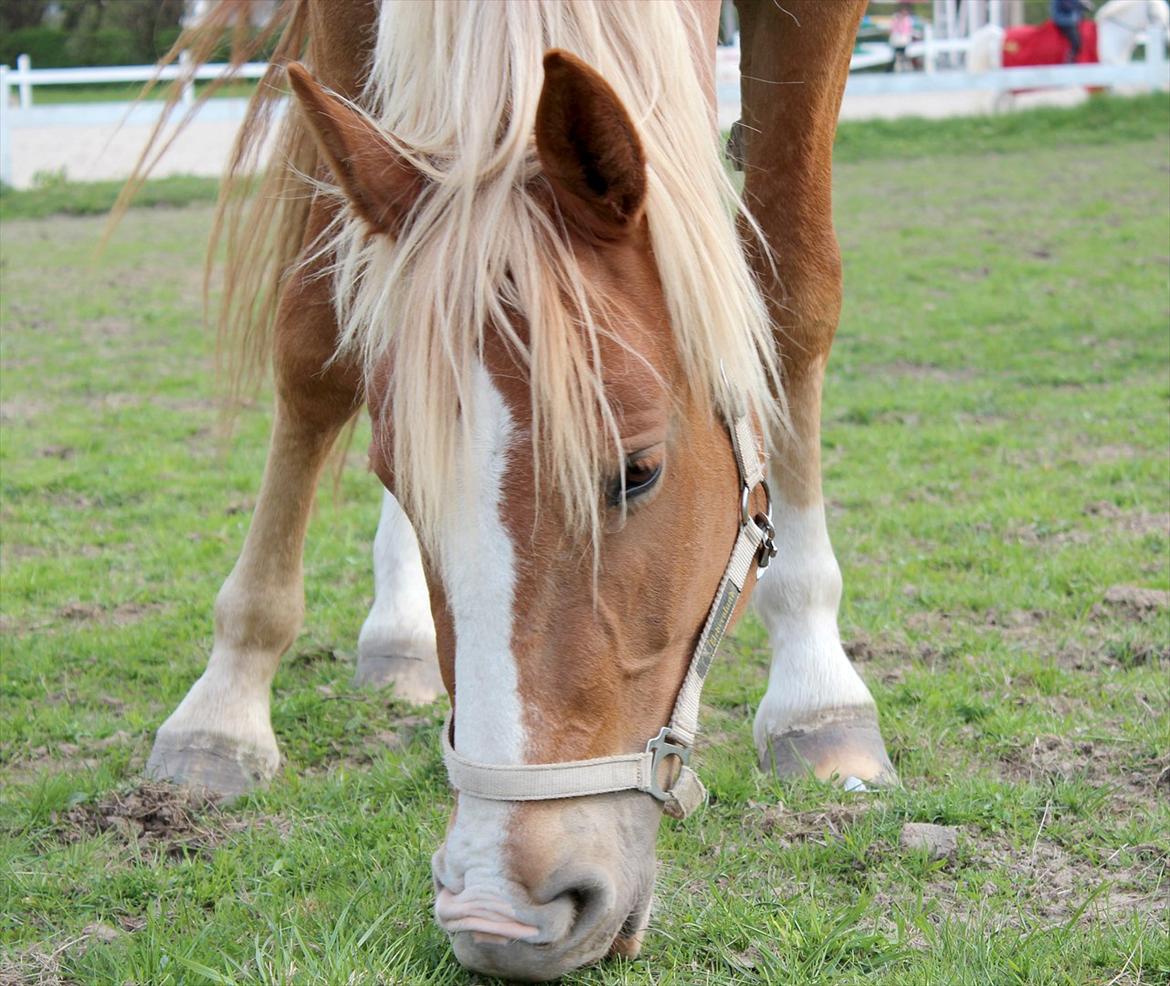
484,929
484,914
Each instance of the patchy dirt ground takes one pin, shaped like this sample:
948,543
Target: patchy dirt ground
151,817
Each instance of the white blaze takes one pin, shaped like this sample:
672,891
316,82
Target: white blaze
479,575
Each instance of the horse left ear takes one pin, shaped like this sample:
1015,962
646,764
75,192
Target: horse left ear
379,183
589,149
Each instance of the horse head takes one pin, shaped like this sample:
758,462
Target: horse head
1121,22
589,503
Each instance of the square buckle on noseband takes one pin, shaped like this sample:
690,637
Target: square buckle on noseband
662,748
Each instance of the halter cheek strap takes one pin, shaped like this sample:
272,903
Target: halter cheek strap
662,770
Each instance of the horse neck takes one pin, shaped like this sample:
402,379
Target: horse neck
1118,26
1133,15
340,43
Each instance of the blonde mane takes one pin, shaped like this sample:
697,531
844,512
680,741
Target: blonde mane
455,87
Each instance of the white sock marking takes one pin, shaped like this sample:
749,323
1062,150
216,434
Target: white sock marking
797,600
400,620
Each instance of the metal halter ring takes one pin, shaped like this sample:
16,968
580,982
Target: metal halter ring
762,521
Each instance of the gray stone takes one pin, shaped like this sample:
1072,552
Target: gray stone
940,841
101,932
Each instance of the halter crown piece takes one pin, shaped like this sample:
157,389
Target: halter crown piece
645,771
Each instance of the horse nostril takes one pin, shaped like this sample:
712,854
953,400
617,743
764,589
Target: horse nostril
591,897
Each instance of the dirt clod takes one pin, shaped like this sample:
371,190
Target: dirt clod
169,819
940,841
785,828
1136,599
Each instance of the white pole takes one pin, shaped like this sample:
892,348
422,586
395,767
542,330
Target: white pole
24,80
5,142
929,55
1156,57
188,96
978,15
995,12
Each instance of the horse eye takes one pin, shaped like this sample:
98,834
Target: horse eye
640,478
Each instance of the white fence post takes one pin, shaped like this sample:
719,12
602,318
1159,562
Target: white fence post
5,136
1156,57
929,55
188,97
23,68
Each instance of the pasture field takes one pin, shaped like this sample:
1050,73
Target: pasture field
997,458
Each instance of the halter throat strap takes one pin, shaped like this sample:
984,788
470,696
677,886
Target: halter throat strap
662,770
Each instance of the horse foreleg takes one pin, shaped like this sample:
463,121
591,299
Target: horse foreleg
816,712
397,642
220,737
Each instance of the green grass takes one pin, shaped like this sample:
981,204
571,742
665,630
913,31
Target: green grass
1103,119
54,196
997,450
126,92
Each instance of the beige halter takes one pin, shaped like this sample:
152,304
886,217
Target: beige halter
642,771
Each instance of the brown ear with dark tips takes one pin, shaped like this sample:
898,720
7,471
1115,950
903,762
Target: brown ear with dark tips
379,183
589,149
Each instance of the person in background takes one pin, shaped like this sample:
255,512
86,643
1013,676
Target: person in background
901,34
1067,15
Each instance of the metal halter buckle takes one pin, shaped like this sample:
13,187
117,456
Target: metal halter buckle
662,748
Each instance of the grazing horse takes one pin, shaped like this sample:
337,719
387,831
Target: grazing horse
521,253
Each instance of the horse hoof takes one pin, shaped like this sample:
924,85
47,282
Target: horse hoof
211,763
415,679
844,745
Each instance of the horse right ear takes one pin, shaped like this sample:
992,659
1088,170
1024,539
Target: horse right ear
589,149
380,184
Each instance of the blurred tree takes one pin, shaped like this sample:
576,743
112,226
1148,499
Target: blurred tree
89,32
17,14
104,32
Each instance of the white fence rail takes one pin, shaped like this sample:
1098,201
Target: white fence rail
24,77
1153,75
932,92
23,114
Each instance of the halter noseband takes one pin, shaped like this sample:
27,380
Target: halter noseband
756,545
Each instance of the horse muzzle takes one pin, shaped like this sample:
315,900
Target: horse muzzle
546,888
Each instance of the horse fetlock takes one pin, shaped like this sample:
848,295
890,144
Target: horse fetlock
841,744
259,623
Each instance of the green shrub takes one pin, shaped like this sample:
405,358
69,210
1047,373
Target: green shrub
165,39
47,47
104,46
